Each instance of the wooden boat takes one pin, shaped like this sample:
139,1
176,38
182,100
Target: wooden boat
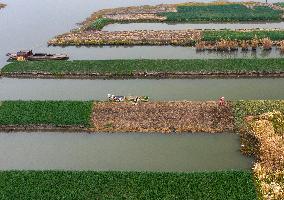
134,99
29,55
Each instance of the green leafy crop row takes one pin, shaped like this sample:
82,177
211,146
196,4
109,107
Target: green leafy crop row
128,67
78,185
213,35
55,113
225,13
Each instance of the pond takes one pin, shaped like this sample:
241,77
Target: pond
127,152
166,89
166,26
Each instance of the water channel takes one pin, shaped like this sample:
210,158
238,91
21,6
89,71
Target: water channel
130,152
166,26
166,89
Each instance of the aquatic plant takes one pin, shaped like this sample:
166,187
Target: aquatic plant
143,66
50,113
223,13
81,185
98,24
240,35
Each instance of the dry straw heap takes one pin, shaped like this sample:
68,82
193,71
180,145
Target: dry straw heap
267,133
177,116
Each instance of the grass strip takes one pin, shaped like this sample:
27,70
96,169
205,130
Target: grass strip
216,35
128,67
223,13
243,108
54,113
100,23
78,185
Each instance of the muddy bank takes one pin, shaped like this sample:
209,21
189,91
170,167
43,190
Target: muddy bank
178,116
42,128
145,75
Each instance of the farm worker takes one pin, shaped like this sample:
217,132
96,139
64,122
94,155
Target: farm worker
222,101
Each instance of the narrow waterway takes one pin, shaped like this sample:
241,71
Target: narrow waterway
166,89
127,152
167,26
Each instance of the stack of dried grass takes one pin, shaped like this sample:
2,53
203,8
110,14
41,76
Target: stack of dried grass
139,37
268,130
178,116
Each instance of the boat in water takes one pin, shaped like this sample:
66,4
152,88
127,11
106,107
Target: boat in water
134,99
29,55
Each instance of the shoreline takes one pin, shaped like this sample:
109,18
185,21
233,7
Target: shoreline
157,75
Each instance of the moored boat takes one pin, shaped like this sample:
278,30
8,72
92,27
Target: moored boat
29,55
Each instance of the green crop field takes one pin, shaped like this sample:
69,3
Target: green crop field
238,35
224,13
100,23
55,113
26,185
128,67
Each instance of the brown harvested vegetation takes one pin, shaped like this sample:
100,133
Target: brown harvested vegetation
2,5
177,116
125,12
139,37
267,44
268,133
281,46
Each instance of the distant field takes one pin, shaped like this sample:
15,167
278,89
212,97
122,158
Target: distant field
26,185
223,13
212,35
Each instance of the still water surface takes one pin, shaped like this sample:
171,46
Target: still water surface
127,152
166,89
166,26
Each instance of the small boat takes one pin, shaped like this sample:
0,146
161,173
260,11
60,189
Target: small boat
29,55
134,99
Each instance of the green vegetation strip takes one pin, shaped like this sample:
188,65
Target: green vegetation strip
245,108
69,185
128,67
100,23
216,35
223,13
54,113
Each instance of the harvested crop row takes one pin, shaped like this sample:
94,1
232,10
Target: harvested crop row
147,68
182,116
81,185
139,37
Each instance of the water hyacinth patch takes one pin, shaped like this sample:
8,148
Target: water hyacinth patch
53,113
223,13
131,68
234,185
